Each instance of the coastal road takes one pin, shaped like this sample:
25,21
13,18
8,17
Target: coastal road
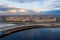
9,28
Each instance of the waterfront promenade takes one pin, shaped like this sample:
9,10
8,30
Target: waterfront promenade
7,28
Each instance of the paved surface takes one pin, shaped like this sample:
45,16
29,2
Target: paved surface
7,28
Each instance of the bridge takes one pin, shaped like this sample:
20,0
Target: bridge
19,27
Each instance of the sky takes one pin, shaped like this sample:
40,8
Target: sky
32,4
36,5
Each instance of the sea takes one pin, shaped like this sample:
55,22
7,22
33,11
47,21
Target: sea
35,34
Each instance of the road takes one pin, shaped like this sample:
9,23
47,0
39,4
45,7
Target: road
8,28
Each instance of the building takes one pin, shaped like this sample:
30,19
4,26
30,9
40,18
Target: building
44,19
27,19
17,19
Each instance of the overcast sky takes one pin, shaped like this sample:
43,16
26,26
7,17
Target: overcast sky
32,4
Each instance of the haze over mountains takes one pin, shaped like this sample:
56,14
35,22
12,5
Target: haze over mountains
5,10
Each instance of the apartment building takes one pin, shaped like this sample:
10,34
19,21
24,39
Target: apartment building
27,19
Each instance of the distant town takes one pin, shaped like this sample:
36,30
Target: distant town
28,18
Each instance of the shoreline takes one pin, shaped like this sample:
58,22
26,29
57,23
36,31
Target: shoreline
9,30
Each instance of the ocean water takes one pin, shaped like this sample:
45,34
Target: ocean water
35,34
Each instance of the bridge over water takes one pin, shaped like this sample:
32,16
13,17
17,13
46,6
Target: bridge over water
10,28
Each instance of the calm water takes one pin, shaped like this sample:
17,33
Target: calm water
35,34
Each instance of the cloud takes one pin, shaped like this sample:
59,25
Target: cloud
23,1
6,8
34,4
54,4
47,6
50,5
51,12
3,8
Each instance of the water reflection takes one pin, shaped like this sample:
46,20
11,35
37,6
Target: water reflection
35,34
